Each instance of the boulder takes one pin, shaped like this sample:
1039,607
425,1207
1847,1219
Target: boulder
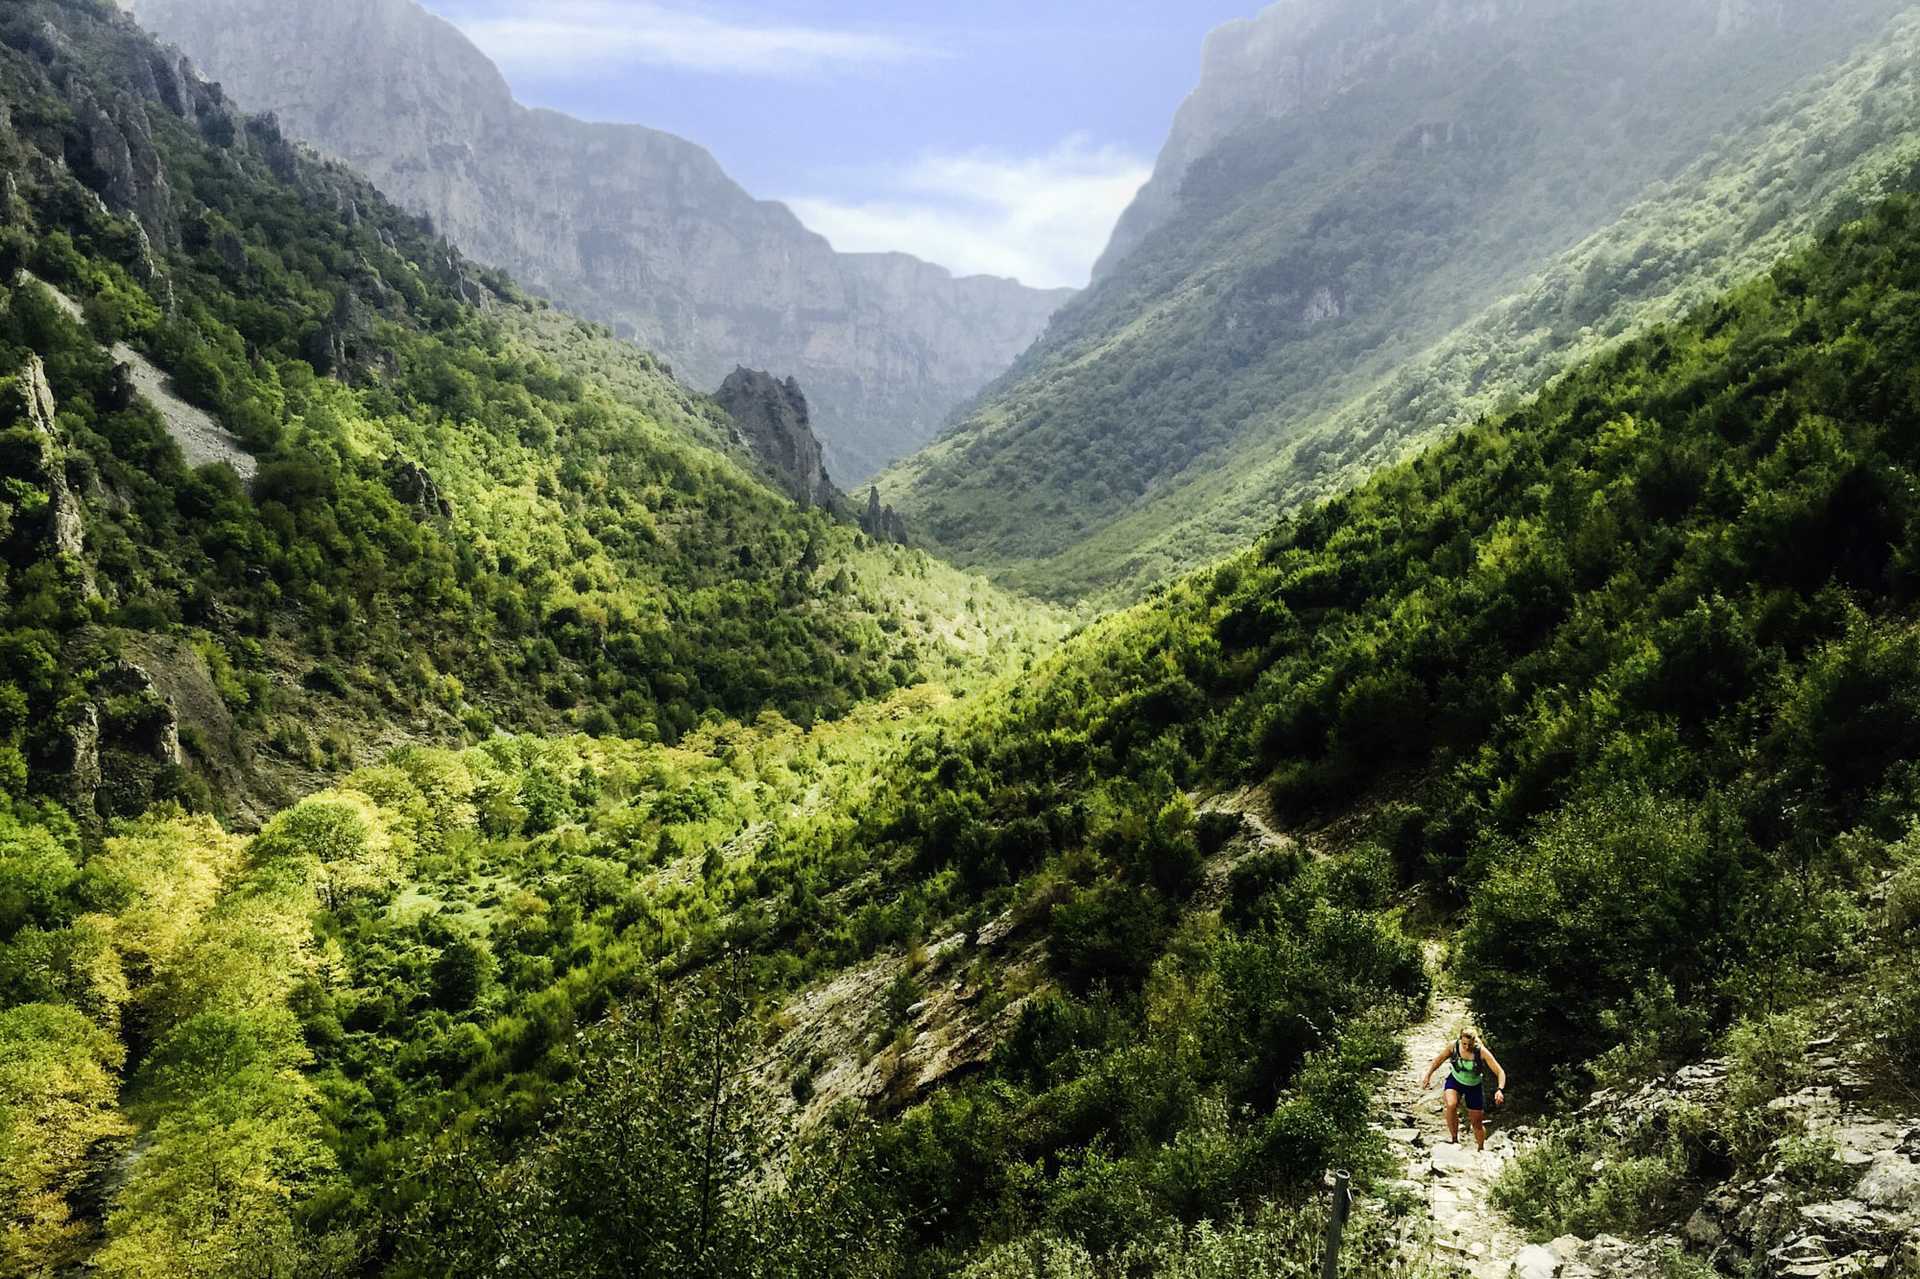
1891,1183
1842,1219
1536,1261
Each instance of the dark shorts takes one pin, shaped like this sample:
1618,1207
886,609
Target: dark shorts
1474,1098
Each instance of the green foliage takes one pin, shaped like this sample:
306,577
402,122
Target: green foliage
450,525
648,1166
1574,1180
1627,672
1606,898
1895,1017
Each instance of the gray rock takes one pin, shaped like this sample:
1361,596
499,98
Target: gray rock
66,530
1891,1182
36,396
83,760
127,171
1842,1219
1536,1261
772,419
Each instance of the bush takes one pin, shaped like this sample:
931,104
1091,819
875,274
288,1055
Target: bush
1767,1058
1895,1016
1110,932
1606,897
1573,1179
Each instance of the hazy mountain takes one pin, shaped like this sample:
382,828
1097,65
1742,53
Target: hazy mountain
630,226
1352,196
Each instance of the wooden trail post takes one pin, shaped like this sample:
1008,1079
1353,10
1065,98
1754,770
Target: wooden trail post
1337,1223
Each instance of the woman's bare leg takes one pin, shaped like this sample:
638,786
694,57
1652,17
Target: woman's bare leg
1479,1120
1453,1115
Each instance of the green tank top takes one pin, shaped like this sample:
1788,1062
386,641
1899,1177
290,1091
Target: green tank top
1467,1072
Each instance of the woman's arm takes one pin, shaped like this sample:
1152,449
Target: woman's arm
1427,1079
1499,1071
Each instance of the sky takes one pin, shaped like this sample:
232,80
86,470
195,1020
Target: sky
998,137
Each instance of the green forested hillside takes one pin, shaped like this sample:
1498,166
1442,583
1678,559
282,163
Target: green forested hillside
449,527
1625,675
1354,280
1083,965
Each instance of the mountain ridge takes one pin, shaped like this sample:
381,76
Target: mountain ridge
624,224
1315,257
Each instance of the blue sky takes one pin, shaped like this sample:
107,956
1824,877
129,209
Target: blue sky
992,136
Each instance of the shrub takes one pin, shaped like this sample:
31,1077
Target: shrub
1895,1017
1109,932
1576,920
1573,1179
1767,1058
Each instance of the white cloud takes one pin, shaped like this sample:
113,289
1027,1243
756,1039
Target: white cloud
1041,219
569,36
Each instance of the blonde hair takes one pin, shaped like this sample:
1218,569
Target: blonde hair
1468,1032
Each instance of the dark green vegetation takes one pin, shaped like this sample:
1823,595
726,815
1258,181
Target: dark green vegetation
1365,275
1626,679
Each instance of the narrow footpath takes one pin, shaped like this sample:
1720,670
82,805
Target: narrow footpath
1455,1182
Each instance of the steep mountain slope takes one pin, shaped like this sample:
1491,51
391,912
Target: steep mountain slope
1627,674
1347,212
1090,968
1108,954
629,226
440,528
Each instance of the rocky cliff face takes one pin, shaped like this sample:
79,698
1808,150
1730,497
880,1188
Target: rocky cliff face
1297,56
773,422
629,226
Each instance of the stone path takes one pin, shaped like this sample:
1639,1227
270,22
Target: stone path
1455,1181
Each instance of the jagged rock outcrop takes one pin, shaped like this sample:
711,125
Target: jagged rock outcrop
771,419
882,523
625,225
120,742
66,529
1765,1219
415,487
126,169
83,759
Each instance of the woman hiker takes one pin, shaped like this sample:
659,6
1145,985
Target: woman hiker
1466,1080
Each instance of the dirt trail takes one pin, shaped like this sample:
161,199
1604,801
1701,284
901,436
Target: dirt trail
1456,1181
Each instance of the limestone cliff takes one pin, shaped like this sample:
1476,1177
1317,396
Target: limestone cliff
1297,56
626,225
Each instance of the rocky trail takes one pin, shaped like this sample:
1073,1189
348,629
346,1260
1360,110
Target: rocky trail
1456,1181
